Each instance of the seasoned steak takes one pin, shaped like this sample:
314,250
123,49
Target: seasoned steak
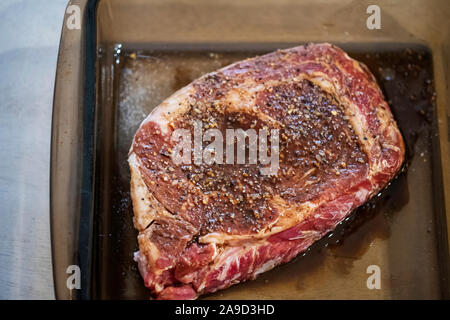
206,226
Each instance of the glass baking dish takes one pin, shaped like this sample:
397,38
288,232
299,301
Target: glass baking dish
130,55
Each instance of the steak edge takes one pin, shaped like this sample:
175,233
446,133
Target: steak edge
206,227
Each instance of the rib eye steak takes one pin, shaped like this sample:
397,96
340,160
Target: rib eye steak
204,227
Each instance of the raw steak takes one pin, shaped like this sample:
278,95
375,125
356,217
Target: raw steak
206,227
